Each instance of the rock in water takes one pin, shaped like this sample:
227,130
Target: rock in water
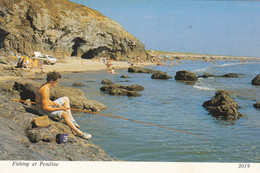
60,26
140,70
124,76
230,75
161,75
107,82
206,75
257,105
256,80
118,89
223,106
221,98
78,84
186,76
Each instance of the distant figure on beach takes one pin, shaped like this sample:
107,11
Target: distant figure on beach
171,62
112,71
108,62
242,62
59,108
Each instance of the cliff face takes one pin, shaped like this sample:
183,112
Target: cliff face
62,27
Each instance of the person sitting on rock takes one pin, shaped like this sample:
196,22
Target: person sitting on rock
59,108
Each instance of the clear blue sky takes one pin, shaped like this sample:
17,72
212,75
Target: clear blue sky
210,27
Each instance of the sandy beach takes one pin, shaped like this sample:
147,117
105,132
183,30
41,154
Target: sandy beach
77,64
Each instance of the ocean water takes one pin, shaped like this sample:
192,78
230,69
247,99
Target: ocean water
175,105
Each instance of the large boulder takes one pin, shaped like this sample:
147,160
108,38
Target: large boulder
256,80
140,70
221,98
186,76
222,106
28,89
22,140
257,105
161,75
226,112
118,89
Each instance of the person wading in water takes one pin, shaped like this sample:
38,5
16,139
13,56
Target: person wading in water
59,108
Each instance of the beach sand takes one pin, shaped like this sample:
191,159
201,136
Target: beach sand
76,65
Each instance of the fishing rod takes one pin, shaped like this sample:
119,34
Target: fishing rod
113,116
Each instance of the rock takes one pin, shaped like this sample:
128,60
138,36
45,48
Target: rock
135,87
161,75
226,112
36,78
223,106
206,75
80,31
107,82
140,70
124,76
186,76
256,80
124,81
221,98
28,89
78,84
6,70
43,121
230,75
117,89
40,144
257,105
40,134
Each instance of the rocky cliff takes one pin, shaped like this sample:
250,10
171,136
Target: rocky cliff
62,27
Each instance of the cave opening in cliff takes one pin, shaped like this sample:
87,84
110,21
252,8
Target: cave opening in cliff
78,42
100,51
3,34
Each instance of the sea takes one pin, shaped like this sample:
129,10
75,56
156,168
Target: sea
175,105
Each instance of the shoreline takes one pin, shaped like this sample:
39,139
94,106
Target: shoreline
76,64
71,65
85,65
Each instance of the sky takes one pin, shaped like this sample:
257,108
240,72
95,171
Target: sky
204,27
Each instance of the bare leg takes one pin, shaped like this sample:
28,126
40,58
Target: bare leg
67,104
70,124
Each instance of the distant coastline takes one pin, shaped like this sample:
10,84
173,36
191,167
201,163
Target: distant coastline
191,56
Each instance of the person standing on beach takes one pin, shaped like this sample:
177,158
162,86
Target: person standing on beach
59,108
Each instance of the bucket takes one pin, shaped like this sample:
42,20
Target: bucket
62,138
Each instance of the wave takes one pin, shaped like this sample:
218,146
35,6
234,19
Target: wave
207,88
224,65
201,70
237,63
